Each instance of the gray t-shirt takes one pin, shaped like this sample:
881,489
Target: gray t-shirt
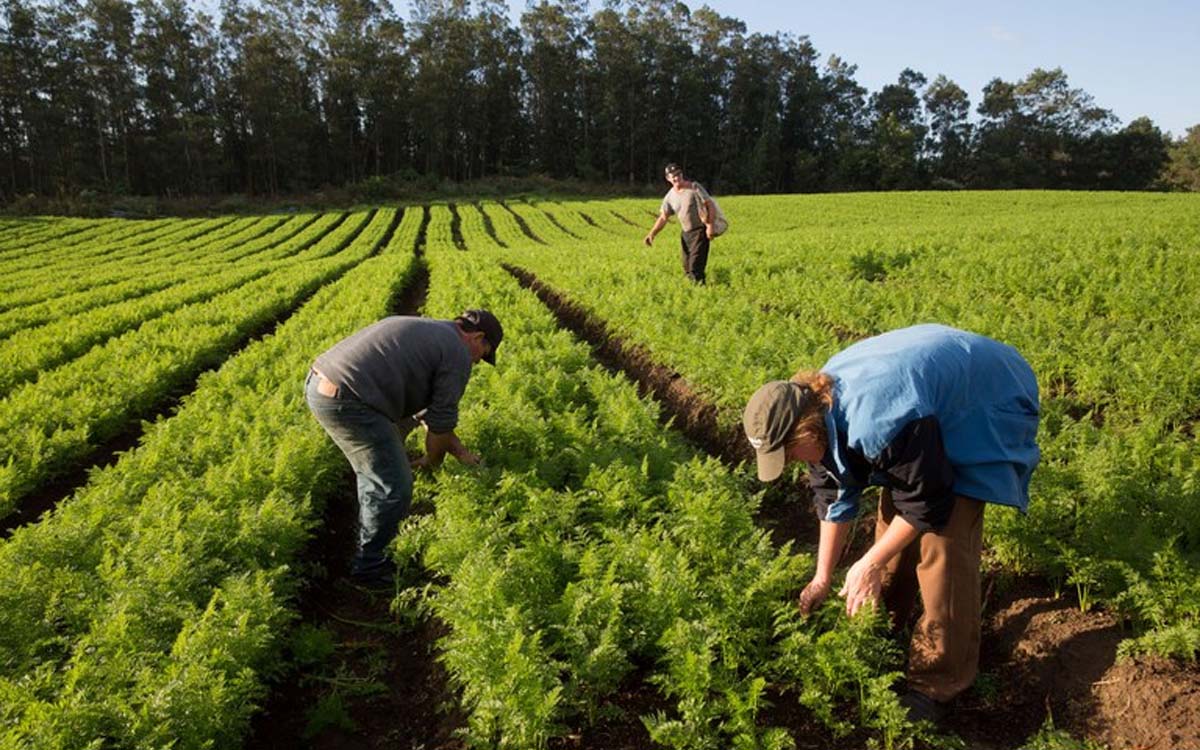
402,365
686,204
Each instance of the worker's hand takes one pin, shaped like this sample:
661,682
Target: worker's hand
465,456
708,231
813,594
863,583
648,240
420,464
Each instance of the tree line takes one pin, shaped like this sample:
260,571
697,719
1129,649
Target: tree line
153,97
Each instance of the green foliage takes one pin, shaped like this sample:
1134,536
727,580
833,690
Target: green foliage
593,551
329,713
1087,286
1051,738
150,609
311,645
1167,602
594,545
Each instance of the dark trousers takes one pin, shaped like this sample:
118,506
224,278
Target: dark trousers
694,247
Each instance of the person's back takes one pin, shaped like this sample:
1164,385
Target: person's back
982,392
391,365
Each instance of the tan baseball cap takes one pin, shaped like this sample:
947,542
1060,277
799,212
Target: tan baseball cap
770,417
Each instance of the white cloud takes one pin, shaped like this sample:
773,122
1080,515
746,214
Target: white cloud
1003,35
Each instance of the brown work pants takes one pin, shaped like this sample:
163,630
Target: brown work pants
943,657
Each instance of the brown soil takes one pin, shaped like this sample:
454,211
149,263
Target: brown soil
1043,658
383,671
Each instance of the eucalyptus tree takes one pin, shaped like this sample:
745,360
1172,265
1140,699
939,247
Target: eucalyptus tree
845,109
898,132
751,137
804,126
1032,131
176,56
466,88
618,85
1182,171
950,130
556,108
22,107
267,98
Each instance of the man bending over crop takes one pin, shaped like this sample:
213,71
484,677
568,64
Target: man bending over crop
945,422
699,220
369,390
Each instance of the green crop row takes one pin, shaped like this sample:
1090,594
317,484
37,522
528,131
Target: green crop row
54,243
47,283
49,301
48,425
17,236
121,244
1090,288
595,553
34,351
149,609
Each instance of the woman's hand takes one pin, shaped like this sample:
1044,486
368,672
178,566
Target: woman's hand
863,584
813,594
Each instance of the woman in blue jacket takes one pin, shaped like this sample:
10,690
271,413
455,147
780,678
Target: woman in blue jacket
945,421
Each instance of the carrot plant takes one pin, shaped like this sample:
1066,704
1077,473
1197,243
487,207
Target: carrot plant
595,552
1089,287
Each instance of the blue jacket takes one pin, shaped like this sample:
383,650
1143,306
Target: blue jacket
929,412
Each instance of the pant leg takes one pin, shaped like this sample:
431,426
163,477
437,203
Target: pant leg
694,244
374,447
700,257
900,574
943,657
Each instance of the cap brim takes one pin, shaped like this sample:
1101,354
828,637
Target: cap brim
770,464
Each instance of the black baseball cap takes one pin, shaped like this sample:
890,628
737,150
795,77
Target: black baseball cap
482,320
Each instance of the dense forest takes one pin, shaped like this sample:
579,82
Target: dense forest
156,97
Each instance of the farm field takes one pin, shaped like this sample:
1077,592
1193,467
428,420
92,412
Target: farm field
613,577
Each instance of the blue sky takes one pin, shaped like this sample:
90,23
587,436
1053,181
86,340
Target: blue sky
1134,58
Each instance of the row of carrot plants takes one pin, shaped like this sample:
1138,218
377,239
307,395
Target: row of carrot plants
86,275
596,553
18,235
1090,288
35,350
57,235
48,425
150,608
50,302
122,244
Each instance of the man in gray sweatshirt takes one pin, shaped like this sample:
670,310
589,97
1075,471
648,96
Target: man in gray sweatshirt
371,389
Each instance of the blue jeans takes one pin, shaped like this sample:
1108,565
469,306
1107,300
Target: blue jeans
374,446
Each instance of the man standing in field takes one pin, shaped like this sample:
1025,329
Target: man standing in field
945,421
697,216
369,390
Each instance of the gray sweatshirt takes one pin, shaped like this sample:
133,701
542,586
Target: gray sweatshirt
402,365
